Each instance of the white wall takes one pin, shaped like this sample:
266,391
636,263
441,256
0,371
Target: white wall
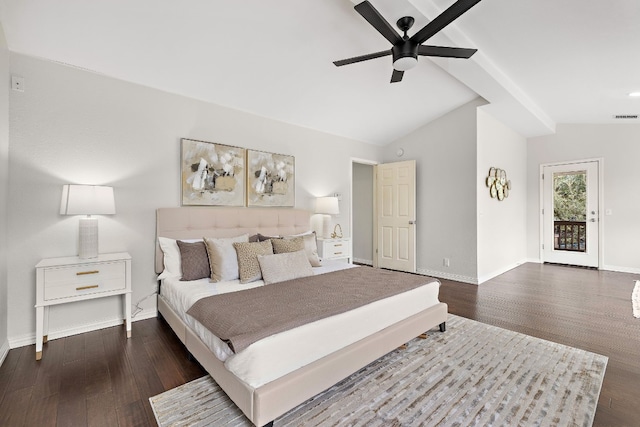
445,154
363,212
4,188
74,126
619,146
501,224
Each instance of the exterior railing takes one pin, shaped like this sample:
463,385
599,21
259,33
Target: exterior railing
570,236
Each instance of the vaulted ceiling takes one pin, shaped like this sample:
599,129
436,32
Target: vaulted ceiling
539,62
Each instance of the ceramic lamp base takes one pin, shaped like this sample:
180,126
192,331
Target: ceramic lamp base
327,225
88,238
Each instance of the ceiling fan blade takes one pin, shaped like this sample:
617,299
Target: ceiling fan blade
362,58
396,76
445,18
446,52
374,18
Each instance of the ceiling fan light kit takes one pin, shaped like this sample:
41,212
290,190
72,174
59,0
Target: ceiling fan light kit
405,49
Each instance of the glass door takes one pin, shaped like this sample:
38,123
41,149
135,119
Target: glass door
570,214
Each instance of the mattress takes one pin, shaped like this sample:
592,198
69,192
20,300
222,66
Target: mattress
282,353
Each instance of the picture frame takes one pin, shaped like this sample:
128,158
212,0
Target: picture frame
270,179
212,174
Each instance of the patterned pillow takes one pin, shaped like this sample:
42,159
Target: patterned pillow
281,246
194,260
248,266
222,257
310,247
284,266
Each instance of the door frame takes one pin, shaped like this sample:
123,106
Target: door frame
600,162
371,163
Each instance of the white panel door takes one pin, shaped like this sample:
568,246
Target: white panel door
570,214
396,215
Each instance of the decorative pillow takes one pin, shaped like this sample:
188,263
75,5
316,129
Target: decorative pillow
254,238
248,266
284,266
281,246
262,237
222,257
171,257
194,260
310,247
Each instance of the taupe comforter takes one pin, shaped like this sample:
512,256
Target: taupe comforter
242,318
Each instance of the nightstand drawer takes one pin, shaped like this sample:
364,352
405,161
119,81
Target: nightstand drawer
336,249
66,282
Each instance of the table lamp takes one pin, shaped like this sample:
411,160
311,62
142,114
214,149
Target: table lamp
87,200
327,206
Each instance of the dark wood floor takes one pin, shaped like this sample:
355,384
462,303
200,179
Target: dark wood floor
582,308
102,379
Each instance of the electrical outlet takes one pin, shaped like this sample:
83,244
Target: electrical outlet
445,262
17,83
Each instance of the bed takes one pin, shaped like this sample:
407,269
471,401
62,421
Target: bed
282,375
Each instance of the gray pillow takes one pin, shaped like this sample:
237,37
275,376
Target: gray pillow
247,254
222,257
285,266
194,260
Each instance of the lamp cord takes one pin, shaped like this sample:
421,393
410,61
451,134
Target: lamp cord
136,306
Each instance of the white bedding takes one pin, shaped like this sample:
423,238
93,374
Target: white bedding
279,354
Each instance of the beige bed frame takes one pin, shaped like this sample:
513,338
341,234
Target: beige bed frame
264,404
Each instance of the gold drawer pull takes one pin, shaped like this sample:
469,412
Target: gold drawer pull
82,288
338,253
337,244
81,273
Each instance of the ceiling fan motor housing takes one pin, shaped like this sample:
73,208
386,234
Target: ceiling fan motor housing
405,55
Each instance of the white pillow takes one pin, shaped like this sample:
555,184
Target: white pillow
287,266
222,257
171,260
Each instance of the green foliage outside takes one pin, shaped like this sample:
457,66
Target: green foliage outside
570,197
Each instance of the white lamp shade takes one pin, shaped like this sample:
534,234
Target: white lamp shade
327,205
87,200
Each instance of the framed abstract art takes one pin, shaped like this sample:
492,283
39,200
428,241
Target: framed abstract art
212,174
270,179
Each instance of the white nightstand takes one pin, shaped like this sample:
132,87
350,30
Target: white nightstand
70,279
335,248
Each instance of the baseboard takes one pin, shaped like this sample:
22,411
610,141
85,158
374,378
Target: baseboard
4,350
448,276
144,315
534,260
363,261
30,339
621,269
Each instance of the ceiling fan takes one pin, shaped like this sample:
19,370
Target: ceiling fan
405,50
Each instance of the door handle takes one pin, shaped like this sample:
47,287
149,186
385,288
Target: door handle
412,222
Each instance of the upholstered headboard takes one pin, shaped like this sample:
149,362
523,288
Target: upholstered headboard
198,222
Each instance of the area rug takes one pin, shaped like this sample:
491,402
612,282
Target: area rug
635,299
472,375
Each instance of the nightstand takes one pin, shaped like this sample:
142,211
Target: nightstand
334,248
71,279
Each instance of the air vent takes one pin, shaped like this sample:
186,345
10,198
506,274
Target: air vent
625,116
